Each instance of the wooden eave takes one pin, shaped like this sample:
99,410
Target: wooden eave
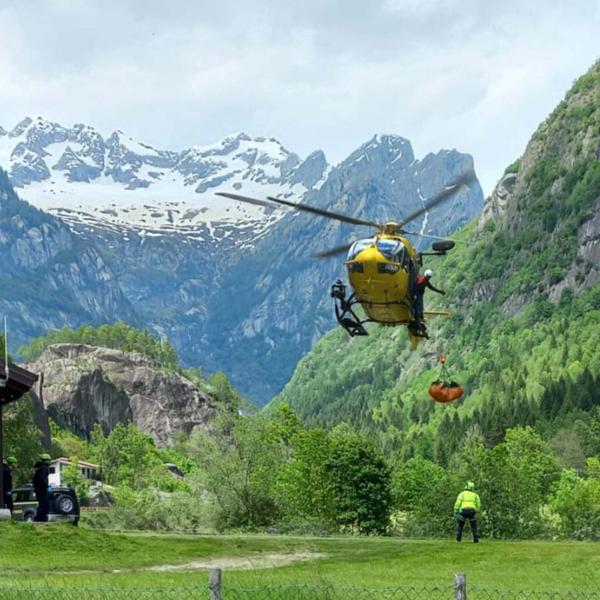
20,381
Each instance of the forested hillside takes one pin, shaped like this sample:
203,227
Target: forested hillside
525,336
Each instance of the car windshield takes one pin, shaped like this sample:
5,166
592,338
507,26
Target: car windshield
358,247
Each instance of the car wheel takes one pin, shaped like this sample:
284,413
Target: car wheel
28,518
65,504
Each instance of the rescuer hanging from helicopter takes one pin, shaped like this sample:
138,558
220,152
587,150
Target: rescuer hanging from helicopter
423,282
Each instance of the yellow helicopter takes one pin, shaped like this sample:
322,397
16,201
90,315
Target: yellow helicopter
382,269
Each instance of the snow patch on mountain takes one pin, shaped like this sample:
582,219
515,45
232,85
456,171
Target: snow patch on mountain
85,178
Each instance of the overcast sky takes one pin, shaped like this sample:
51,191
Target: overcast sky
474,75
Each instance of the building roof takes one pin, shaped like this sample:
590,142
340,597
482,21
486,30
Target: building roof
19,382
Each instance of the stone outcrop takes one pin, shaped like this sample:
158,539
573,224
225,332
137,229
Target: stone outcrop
85,385
495,205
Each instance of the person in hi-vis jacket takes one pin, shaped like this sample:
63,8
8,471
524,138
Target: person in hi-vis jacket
465,508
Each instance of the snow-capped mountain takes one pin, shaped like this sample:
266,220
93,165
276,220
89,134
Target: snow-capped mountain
117,182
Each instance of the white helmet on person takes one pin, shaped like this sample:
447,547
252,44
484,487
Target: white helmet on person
428,273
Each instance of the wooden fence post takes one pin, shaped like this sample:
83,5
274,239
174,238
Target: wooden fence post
460,587
215,584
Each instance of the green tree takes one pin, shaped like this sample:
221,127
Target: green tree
73,476
576,502
303,483
22,438
424,492
126,456
224,392
117,335
360,482
240,459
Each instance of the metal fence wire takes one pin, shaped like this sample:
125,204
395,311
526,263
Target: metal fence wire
477,592
289,592
326,592
72,593
438,592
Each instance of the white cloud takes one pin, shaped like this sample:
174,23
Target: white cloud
470,74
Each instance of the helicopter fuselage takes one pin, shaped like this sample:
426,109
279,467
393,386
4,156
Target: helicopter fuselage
382,272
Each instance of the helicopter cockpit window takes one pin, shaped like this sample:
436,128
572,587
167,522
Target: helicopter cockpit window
391,249
396,251
358,247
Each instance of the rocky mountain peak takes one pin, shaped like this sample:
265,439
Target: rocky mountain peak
390,149
20,127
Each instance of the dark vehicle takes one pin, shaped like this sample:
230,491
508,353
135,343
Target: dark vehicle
64,506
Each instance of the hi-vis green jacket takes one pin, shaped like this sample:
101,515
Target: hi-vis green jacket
467,499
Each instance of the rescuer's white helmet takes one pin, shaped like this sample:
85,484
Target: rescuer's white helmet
429,273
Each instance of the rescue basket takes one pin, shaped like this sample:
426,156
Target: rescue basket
445,392
442,389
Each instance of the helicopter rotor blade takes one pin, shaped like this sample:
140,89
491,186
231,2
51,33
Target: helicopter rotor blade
333,251
324,213
247,199
448,191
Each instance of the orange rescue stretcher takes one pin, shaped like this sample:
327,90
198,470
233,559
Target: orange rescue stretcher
442,390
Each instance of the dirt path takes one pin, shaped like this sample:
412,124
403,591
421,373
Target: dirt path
262,561
258,561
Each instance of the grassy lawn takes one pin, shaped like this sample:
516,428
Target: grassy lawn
53,556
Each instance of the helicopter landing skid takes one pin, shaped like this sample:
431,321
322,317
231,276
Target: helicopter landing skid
344,314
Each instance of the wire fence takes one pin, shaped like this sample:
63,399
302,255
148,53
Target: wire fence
448,592
321,592
487,593
215,590
84,593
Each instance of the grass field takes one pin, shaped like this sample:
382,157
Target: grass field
63,556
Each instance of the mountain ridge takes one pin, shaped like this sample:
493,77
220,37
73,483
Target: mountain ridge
79,174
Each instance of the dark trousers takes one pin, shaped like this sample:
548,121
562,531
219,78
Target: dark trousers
43,508
419,307
464,515
8,502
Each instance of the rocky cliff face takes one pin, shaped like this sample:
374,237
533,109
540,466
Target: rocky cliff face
495,205
85,385
51,277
